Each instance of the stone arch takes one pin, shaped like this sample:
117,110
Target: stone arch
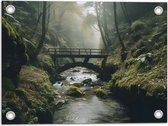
82,64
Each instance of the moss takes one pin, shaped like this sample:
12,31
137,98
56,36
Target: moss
144,71
14,52
33,100
74,91
60,103
77,84
22,94
137,25
101,92
65,83
17,105
157,91
11,31
129,62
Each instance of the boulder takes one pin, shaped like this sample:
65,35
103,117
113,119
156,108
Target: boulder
74,91
101,93
77,84
87,81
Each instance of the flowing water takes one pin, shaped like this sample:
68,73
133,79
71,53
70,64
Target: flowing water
89,108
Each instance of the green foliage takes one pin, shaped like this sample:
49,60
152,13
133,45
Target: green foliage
144,70
33,99
14,52
137,25
11,31
74,91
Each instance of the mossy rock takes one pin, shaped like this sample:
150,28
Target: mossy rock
33,100
144,61
60,103
65,84
87,81
101,92
77,84
74,91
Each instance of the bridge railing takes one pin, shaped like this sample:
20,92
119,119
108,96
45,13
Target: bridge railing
78,51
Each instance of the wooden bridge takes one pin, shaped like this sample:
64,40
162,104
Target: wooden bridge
78,52
73,53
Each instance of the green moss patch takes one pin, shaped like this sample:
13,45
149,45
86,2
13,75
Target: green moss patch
33,101
74,91
145,68
101,92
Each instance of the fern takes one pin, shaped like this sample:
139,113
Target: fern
11,31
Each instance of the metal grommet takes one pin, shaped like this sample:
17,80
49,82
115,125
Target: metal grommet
10,9
10,115
158,10
158,114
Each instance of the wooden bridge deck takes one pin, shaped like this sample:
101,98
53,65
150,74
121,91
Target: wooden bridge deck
78,52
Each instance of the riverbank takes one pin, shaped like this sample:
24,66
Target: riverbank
141,78
33,101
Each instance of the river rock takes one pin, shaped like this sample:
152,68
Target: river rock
60,103
75,70
71,78
60,87
77,84
74,91
101,93
87,81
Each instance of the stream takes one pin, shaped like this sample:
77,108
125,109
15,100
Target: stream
88,108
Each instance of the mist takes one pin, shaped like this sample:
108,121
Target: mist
78,26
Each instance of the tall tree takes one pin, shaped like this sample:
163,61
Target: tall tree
42,38
116,26
100,25
125,12
105,23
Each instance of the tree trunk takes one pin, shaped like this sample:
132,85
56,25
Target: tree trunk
35,29
106,31
100,27
125,12
42,39
116,25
